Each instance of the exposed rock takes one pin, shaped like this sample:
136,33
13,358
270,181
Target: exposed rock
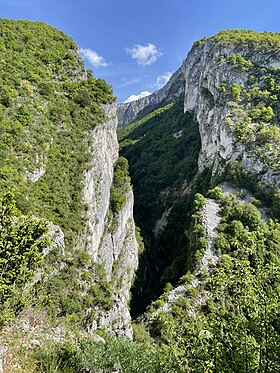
174,87
98,180
57,239
210,219
204,74
117,251
161,223
3,350
177,135
94,337
242,195
35,175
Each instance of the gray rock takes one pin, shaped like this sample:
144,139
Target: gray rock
127,112
204,74
117,251
3,350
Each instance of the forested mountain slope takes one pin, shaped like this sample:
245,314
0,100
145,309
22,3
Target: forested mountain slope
228,131
68,248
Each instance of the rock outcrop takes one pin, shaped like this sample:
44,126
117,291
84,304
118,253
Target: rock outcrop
215,69
61,161
210,216
127,112
204,74
116,250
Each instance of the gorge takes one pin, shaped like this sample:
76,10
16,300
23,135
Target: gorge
198,169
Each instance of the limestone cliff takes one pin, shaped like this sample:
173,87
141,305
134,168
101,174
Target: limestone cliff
117,249
213,67
205,73
127,112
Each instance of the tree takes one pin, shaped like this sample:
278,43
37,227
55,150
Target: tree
22,240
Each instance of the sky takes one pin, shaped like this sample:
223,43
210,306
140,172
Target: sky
135,45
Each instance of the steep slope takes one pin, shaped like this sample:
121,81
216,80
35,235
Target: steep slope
232,94
225,315
231,85
162,150
128,112
212,258
59,158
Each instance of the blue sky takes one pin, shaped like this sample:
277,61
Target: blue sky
136,44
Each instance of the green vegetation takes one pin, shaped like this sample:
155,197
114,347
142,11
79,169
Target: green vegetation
238,61
124,133
254,117
87,355
22,239
169,156
227,321
162,150
236,327
121,182
47,108
197,236
49,105
245,39
77,293
269,195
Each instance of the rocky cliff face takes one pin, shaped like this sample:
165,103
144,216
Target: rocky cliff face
127,112
99,178
205,74
231,95
116,250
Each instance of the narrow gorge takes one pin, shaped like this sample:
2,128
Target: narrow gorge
195,165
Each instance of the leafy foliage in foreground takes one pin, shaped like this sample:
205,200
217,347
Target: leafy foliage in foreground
122,354
22,240
229,324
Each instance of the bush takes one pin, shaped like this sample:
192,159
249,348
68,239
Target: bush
22,240
120,185
88,355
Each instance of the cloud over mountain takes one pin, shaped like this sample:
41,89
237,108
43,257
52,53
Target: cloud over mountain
136,97
93,57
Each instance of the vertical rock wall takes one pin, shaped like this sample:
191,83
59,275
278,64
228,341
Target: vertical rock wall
116,250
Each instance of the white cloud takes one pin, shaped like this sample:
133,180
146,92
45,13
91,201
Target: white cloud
93,58
136,97
162,80
144,54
